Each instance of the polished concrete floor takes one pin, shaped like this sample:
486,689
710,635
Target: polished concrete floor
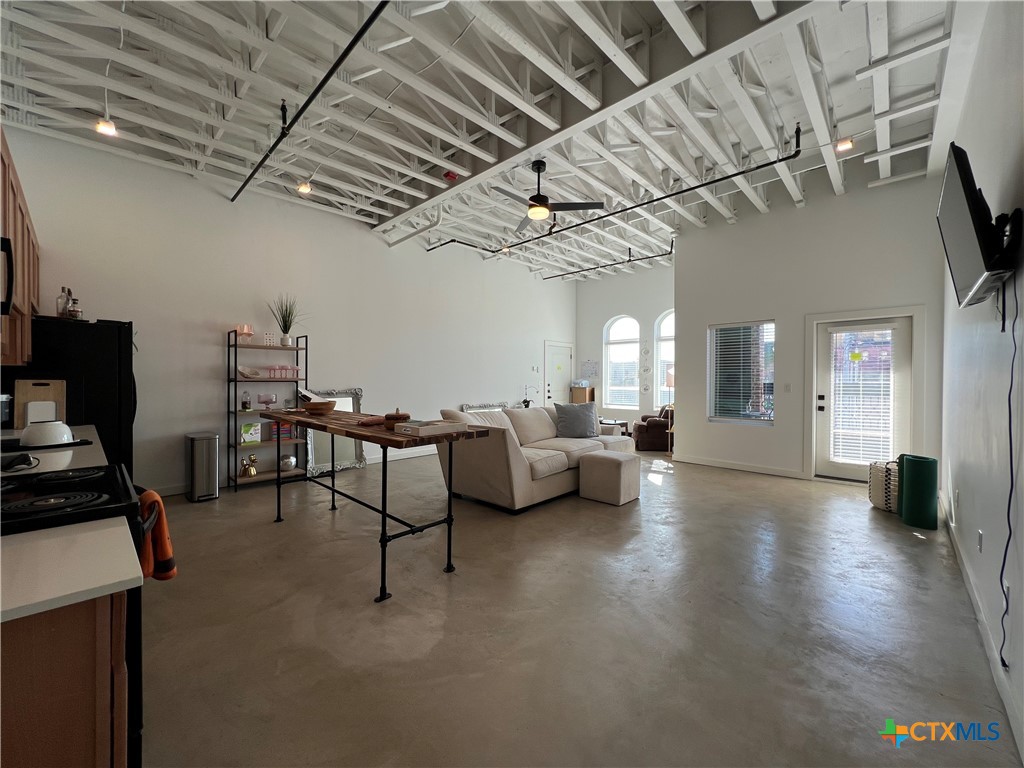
725,619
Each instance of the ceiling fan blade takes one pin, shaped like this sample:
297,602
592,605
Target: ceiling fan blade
576,206
523,224
512,195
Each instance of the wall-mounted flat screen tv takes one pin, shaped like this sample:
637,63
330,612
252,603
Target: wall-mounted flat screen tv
974,248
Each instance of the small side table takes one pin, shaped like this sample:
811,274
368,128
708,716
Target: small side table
623,425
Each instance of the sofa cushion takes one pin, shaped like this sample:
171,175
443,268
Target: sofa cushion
576,419
483,418
543,463
572,447
531,424
616,443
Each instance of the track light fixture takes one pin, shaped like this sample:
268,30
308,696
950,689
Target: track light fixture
844,145
304,188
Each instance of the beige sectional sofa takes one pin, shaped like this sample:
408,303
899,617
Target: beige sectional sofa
523,461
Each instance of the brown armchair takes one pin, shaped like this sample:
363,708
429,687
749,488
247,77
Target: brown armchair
651,431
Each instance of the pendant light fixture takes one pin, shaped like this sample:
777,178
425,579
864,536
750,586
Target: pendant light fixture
304,188
106,126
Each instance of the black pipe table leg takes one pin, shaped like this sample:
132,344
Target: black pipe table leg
384,594
334,504
450,519
279,519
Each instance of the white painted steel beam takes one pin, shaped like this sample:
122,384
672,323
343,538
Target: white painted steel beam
899,149
965,35
199,139
595,24
684,28
765,9
560,72
84,76
615,195
878,45
890,62
106,146
737,29
674,105
765,136
908,109
192,155
901,177
215,61
592,144
342,83
793,38
397,14
475,114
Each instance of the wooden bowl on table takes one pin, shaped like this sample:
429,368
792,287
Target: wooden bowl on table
319,408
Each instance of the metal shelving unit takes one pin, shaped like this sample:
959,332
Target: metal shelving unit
235,383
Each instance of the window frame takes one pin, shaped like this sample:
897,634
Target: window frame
606,359
658,338
712,373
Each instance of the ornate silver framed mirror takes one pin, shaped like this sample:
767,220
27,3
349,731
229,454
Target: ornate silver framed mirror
470,407
348,453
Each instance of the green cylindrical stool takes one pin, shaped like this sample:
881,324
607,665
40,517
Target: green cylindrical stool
918,494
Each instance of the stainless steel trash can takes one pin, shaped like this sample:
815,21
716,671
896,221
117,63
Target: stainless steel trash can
204,466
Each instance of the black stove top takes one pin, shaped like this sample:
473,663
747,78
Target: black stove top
50,499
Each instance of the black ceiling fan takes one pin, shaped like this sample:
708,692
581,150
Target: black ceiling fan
539,207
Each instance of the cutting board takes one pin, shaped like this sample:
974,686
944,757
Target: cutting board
31,397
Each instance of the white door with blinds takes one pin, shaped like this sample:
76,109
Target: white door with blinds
862,395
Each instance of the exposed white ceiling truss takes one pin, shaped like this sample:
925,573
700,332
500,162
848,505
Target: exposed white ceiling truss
444,103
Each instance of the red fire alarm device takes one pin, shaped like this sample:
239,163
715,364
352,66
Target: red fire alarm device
450,176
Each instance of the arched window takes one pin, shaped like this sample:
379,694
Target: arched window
622,363
665,359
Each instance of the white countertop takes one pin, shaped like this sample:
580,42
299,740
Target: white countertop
53,459
54,567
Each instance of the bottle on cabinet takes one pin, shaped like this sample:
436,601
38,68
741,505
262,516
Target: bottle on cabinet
62,302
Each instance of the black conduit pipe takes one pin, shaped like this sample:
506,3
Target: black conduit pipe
629,260
286,129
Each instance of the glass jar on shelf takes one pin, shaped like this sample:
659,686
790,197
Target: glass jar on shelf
246,400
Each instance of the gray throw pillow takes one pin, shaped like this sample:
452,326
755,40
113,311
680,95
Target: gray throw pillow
577,420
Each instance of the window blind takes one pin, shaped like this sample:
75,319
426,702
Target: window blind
742,371
862,405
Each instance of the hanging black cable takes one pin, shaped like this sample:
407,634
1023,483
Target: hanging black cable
1009,499
286,129
793,155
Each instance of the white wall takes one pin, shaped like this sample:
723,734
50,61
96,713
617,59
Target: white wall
645,296
416,330
977,361
864,250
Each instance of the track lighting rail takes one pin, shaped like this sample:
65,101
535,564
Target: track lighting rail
628,260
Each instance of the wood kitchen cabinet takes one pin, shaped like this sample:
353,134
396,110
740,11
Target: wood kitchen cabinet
64,695
16,224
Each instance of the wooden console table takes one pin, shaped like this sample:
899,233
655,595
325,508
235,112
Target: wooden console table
346,424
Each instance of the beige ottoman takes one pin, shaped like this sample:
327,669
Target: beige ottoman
610,476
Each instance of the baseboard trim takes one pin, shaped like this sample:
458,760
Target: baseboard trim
740,466
1002,679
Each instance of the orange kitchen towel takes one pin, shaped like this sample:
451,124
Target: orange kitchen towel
157,557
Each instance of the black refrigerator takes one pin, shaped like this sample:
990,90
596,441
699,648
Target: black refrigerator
95,361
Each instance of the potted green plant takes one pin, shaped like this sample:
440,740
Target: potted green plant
285,309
